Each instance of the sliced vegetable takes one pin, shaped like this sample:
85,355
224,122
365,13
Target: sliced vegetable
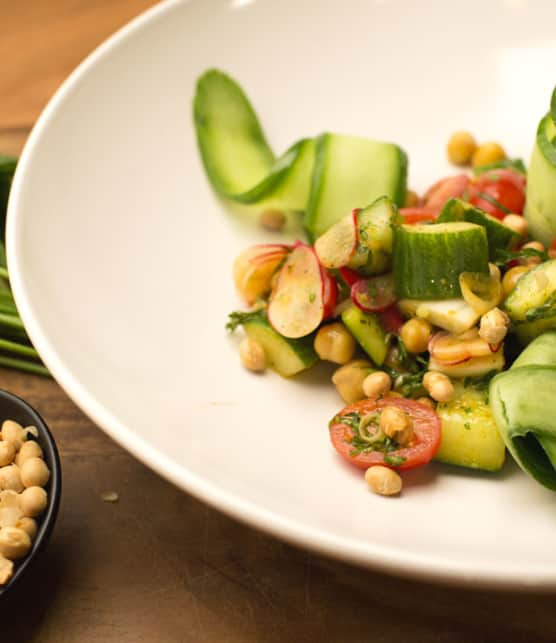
237,158
254,268
482,292
441,251
368,332
374,294
498,192
351,171
351,435
444,190
419,215
534,295
474,367
338,245
540,210
453,315
522,402
391,320
376,237
499,236
450,349
513,164
470,437
297,304
285,356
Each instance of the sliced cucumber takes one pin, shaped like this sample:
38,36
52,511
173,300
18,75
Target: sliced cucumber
499,236
540,204
376,237
237,158
534,295
285,356
542,352
453,315
428,259
470,437
474,367
368,332
336,247
350,172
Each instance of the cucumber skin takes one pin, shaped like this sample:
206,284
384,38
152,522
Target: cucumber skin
526,294
314,226
498,235
285,356
421,272
470,437
368,332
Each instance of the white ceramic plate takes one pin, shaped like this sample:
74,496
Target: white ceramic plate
120,259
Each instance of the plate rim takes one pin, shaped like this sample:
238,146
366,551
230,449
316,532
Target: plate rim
439,569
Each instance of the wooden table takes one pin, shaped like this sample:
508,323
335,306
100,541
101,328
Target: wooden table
158,565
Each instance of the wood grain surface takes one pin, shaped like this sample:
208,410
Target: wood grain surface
158,565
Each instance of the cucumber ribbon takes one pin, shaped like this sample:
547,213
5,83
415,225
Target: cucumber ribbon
540,208
242,167
522,402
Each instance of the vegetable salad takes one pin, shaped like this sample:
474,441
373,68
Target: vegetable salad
437,310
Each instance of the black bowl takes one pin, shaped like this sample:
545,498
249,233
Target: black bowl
14,408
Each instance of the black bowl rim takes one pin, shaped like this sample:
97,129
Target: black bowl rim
54,487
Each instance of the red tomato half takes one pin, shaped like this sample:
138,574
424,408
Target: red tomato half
374,294
425,443
419,215
450,188
498,192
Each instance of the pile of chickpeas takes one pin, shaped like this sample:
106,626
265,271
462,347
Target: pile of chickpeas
23,476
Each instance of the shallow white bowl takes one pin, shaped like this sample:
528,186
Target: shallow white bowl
120,259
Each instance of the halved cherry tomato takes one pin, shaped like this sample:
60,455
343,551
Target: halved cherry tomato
349,276
425,443
419,215
391,320
374,294
498,192
451,187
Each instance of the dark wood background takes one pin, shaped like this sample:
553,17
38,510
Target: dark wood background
158,565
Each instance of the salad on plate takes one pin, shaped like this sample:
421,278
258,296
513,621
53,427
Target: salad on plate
438,311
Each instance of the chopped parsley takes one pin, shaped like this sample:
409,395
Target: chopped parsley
238,318
504,256
394,460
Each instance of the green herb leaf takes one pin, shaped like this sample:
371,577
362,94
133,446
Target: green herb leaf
494,202
394,460
512,164
238,318
504,256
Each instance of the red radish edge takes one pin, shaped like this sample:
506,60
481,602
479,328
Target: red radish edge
433,340
368,309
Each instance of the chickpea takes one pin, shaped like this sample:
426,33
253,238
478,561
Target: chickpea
377,384
396,424
411,199
488,153
14,543
34,473
29,526
415,335
517,223
511,278
10,478
30,449
335,343
252,355
460,148
494,326
7,453
6,570
438,386
10,509
272,220
349,378
14,433
532,261
383,480
33,501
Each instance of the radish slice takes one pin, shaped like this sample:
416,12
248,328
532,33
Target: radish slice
296,307
254,268
339,243
329,293
450,350
349,276
374,294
